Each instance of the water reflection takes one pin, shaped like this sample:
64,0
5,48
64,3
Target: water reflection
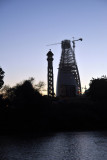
60,146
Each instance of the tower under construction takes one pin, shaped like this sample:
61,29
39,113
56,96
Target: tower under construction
68,80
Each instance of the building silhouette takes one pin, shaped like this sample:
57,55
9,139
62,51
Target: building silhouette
68,79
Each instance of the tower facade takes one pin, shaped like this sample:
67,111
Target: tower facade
68,80
50,74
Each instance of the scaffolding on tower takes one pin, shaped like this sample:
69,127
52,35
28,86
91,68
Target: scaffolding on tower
68,80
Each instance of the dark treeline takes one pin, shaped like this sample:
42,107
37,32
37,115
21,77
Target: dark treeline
24,109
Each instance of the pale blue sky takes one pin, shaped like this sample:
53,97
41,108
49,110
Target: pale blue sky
27,26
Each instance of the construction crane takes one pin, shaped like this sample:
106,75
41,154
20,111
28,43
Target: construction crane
80,39
53,44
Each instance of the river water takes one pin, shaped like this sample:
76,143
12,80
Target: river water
55,146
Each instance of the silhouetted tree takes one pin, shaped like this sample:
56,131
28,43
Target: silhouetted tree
8,95
1,77
98,88
6,91
40,86
1,100
25,95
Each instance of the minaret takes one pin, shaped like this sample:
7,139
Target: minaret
50,74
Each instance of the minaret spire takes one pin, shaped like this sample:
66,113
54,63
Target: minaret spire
50,74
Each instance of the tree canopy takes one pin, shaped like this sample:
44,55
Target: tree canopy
1,77
24,94
98,88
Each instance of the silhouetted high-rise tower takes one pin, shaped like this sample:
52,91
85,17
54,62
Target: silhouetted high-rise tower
68,80
50,74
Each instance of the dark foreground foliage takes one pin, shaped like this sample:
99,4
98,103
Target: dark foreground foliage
1,77
98,88
24,109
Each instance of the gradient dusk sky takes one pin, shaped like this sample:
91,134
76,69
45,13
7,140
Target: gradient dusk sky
27,26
